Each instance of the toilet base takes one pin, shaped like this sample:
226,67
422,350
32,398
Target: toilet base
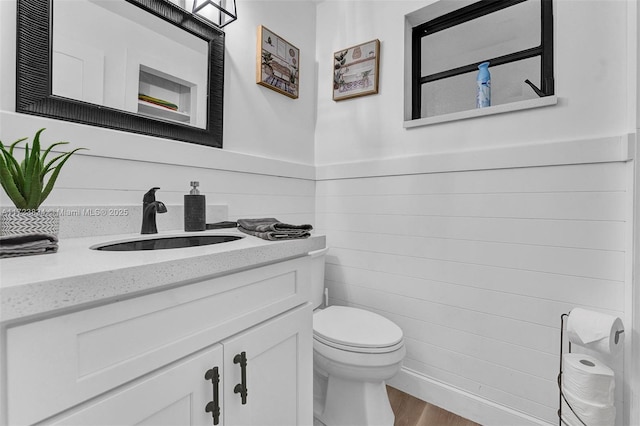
354,402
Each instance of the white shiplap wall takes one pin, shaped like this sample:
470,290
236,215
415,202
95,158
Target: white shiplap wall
477,267
90,182
288,198
118,168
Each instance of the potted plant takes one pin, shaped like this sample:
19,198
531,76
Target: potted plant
28,183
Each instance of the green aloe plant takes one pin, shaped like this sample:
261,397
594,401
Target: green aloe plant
24,182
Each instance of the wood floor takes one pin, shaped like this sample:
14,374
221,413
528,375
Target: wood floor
411,411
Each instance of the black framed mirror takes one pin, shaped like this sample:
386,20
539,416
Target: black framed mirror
34,82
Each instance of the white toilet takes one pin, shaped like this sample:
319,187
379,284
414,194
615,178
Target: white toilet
354,352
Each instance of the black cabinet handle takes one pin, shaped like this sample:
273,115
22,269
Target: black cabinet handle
213,407
241,387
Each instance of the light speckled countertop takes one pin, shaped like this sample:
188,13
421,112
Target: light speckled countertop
77,277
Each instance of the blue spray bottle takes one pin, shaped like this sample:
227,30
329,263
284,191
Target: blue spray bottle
483,97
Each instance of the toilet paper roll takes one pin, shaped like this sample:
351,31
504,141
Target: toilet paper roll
590,414
596,331
568,417
588,379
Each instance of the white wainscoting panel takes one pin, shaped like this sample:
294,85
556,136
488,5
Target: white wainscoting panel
476,267
93,181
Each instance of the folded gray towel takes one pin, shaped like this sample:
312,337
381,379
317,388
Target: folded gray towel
27,245
272,229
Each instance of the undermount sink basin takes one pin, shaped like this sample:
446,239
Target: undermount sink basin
178,241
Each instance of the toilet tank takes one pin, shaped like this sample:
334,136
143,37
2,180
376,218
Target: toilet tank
317,276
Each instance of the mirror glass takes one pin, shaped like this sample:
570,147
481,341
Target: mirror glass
142,66
115,54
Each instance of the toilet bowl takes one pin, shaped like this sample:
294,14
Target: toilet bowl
354,352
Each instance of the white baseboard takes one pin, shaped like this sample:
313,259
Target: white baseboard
459,402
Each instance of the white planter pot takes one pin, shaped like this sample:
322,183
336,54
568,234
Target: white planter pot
20,222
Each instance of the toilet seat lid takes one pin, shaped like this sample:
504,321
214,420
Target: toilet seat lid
355,327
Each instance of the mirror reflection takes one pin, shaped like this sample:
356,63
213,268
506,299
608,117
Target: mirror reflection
114,54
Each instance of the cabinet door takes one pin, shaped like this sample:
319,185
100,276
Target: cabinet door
279,372
174,396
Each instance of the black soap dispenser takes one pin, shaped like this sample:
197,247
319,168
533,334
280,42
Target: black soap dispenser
195,214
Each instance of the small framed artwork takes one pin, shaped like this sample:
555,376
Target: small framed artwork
355,70
277,64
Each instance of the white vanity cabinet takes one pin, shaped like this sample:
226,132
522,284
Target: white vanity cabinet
143,360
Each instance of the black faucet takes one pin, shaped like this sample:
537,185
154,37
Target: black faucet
149,209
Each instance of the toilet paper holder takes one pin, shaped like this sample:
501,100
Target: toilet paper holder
563,317
618,333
